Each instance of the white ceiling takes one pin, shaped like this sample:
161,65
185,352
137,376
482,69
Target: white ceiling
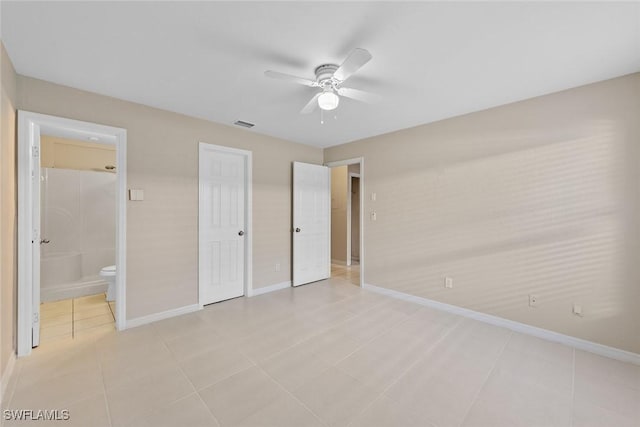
430,60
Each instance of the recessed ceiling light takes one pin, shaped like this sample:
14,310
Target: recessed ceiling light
94,138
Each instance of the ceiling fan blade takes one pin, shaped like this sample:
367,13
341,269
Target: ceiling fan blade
282,76
356,59
359,95
311,105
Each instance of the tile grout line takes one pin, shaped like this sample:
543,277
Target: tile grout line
109,305
256,364
104,387
195,390
431,349
573,387
73,318
290,394
382,393
403,373
320,331
336,326
484,383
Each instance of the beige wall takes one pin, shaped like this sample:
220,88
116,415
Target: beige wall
538,197
339,214
162,156
9,209
63,153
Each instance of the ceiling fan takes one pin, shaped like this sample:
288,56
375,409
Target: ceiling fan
329,79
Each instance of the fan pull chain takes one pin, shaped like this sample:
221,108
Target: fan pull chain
321,116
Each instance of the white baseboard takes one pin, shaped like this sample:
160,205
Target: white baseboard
6,376
592,347
271,288
139,321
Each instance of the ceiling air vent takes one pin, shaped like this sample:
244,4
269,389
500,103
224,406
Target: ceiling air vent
243,124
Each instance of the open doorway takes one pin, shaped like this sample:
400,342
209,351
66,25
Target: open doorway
346,220
71,228
78,182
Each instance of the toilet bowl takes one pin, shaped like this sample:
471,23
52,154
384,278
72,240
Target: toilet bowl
109,275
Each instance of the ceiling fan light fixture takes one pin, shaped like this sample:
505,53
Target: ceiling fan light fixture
328,100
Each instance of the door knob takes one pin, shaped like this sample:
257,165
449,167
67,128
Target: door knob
44,241
297,230
240,233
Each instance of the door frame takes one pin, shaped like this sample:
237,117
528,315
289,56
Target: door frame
248,194
350,177
347,162
29,128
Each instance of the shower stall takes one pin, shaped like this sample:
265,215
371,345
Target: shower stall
78,229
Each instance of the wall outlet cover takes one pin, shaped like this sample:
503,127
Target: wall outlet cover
448,282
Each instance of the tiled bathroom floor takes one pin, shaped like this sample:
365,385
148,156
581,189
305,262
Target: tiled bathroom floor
75,317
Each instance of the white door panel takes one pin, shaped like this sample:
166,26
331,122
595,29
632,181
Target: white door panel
311,223
222,225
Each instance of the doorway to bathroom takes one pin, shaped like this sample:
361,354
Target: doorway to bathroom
77,237
71,234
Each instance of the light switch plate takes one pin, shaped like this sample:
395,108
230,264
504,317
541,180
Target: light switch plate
136,195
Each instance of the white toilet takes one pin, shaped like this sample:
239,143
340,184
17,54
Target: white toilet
109,274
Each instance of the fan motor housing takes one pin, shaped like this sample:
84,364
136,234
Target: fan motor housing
324,72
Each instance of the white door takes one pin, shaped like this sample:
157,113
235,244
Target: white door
311,223
222,223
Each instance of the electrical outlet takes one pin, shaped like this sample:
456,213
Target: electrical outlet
277,266
448,282
374,216
533,300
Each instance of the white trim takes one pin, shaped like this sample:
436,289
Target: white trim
270,288
578,343
6,377
354,161
339,262
29,126
150,318
248,265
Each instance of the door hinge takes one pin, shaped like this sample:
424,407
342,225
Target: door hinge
35,151
36,317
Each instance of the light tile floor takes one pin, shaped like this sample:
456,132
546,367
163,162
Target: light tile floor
349,273
75,317
325,354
